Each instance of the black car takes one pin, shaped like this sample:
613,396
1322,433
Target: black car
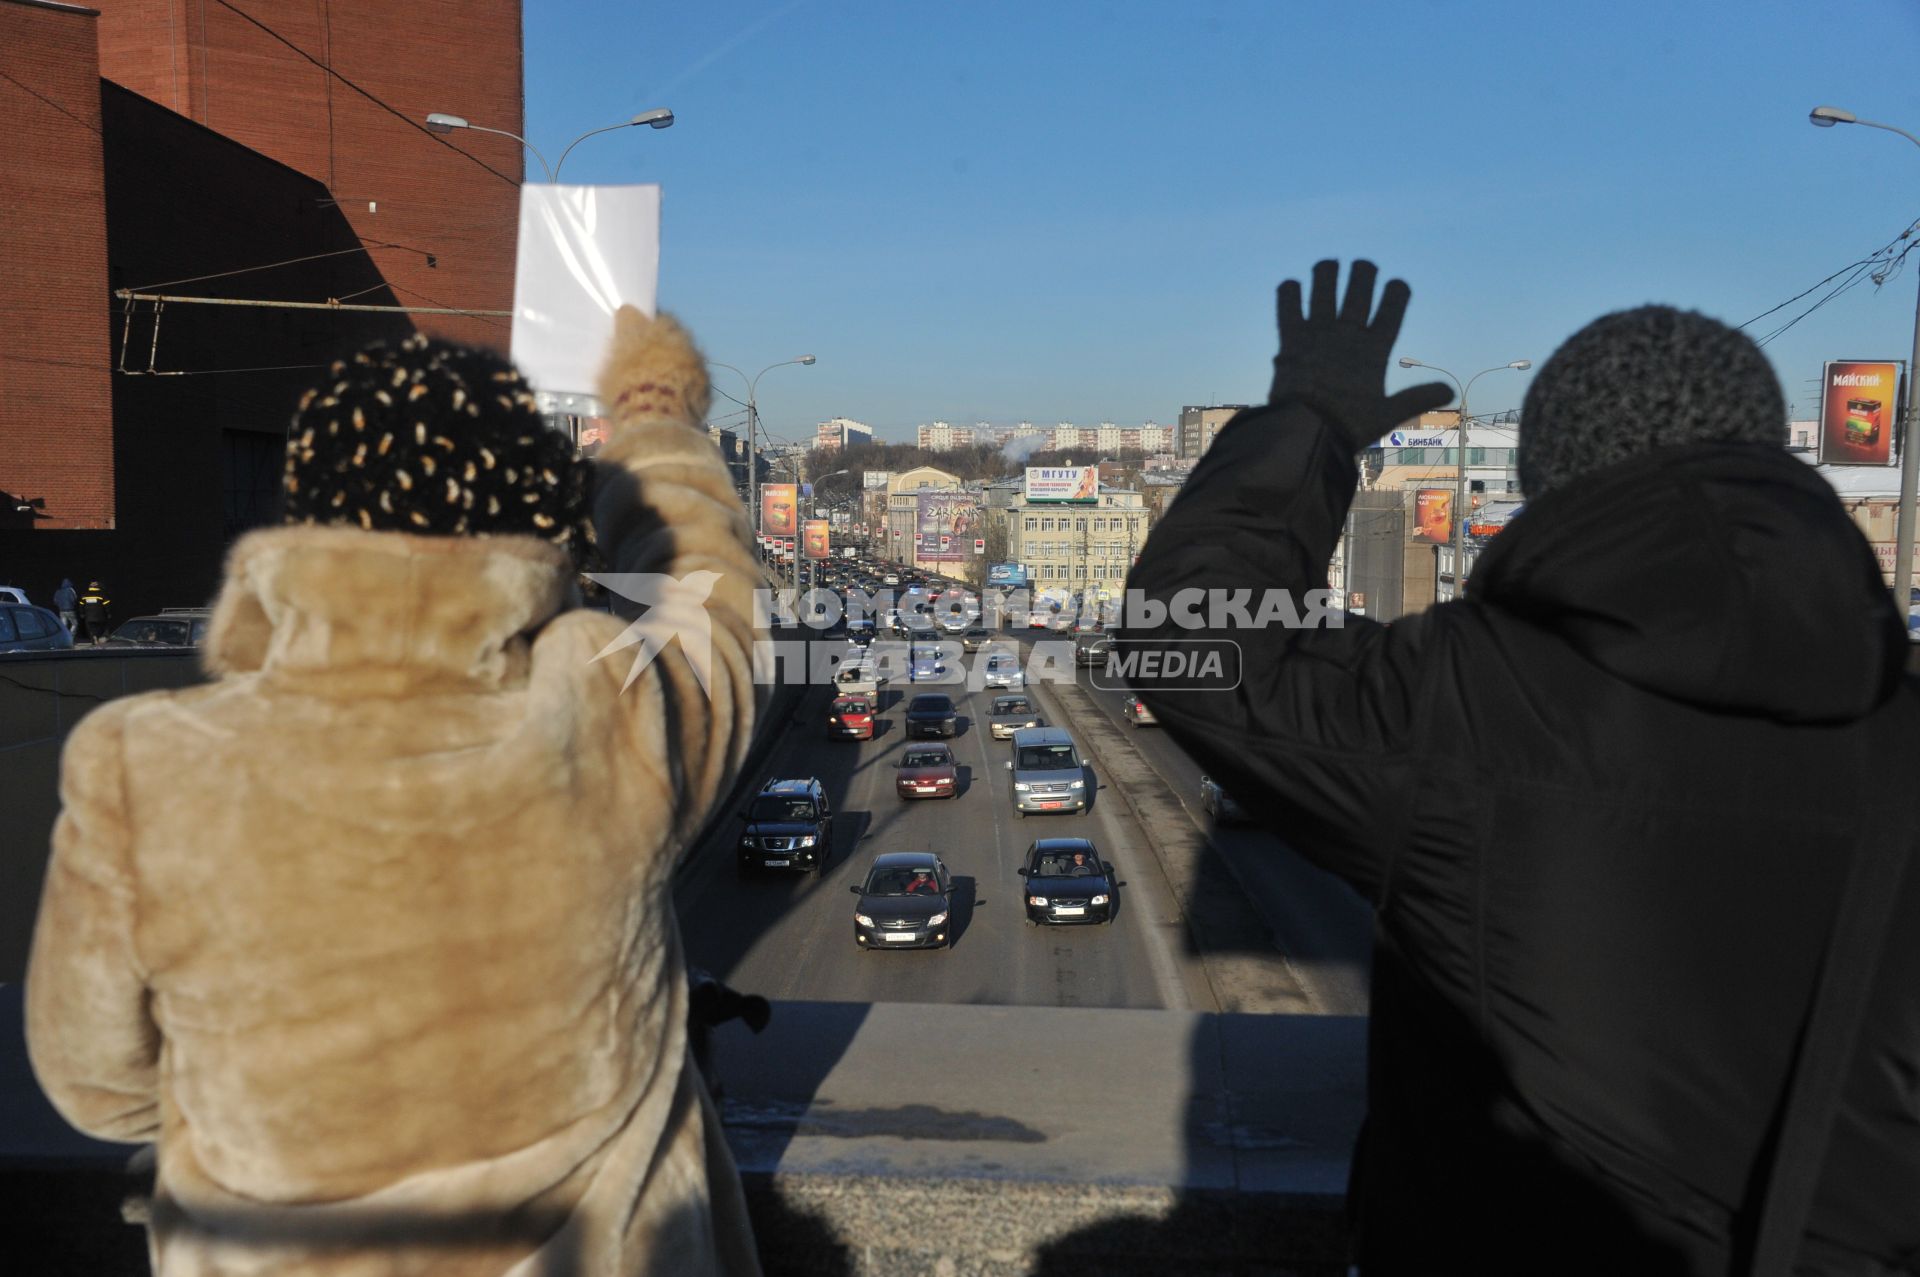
789,825
905,903
1067,882
932,714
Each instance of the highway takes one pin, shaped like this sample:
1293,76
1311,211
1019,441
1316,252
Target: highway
1189,934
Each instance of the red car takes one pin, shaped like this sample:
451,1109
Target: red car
851,717
927,771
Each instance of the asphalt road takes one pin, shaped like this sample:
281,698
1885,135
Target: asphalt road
791,937
1322,928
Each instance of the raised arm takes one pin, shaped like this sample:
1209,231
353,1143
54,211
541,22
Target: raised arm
1322,727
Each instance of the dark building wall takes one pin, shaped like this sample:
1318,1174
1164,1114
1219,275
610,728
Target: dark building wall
56,430
339,90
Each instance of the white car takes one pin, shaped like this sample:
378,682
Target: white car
1003,670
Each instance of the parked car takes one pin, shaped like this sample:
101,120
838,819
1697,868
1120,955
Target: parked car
1219,804
1008,714
1067,882
932,714
24,628
172,627
789,825
1137,712
1047,772
927,771
851,718
906,902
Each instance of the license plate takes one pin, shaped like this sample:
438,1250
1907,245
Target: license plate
1050,804
1072,911
926,789
896,935
778,864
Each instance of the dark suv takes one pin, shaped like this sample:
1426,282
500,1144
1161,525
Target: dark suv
789,825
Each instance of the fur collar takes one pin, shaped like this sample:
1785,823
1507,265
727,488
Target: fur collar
405,608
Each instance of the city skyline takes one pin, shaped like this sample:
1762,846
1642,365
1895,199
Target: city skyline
1080,212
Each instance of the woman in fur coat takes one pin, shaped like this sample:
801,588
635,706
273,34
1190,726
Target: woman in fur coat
372,934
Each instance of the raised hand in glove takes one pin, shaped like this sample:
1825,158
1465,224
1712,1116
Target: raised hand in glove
1335,362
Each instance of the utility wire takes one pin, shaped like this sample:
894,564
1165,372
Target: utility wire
1877,266
383,105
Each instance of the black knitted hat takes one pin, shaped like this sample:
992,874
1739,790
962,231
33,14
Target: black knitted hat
1642,379
433,438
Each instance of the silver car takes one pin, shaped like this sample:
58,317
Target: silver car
1219,804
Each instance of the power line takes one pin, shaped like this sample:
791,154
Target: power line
379,102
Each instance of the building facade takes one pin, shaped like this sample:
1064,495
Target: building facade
1077,550
900,541
841,432
1199,423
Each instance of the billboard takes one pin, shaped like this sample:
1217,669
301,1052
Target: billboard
945,525
1063,483
814,538
870,479
1433,515
1859,401
779,506
1010,576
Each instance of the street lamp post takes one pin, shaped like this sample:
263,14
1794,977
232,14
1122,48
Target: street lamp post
753,430
441,122
1826,117
1460,471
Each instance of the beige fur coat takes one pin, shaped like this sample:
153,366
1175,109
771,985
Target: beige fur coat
373,933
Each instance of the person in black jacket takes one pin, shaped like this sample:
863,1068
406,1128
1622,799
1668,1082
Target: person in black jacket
1603,806
96,613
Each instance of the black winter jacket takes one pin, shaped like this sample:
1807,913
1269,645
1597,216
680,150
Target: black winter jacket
1603,808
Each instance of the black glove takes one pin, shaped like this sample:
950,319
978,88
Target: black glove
1336,363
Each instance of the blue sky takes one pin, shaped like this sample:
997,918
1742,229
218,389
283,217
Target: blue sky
1077,212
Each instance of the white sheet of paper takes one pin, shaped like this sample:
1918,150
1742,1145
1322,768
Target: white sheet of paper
584,252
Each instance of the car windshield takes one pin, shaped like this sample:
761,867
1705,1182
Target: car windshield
852,705
1012,705
1060,864
772,809
929,705
902,882
927,758
1046,758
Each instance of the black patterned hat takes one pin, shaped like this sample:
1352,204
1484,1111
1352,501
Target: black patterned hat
437,439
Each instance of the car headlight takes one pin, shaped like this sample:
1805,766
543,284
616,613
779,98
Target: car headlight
1098,900
863,920
747,841
807,841
1038,902
936,920
1077,784
1021,787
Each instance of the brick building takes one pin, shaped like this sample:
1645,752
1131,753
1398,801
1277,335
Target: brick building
180,148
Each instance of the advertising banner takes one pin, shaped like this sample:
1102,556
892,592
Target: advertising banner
814,537
870,479
779,506
1859,400
944,525
1433,515
1006,575
1079,484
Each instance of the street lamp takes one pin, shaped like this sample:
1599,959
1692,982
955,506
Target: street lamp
1460,472
441,122
753,429
1826,117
